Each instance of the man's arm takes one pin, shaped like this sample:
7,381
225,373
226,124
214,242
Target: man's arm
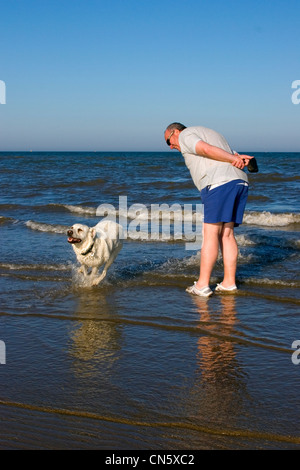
215,153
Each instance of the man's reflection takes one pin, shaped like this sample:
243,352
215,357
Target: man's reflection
222,386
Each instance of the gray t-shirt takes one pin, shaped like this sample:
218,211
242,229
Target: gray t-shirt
205,171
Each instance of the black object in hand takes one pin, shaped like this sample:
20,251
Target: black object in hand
252,166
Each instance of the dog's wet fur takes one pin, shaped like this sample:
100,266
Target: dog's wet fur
95,247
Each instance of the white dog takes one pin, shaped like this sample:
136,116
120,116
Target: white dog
95,246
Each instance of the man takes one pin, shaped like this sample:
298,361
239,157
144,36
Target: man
218,173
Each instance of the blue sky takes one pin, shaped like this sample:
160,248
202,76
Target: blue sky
111,74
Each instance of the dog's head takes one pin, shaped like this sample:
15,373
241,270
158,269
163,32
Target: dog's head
81,234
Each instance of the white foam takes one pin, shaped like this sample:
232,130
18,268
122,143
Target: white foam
42,227
79,280
242,240
159,214
296,243
271,282
178,264
269,219
33,267
4,219
134,235
139,235
158,236
181,213
141,212
81,209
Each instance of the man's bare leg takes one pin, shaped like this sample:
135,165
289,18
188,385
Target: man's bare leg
229,250
209,252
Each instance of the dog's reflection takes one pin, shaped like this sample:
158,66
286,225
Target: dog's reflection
94,340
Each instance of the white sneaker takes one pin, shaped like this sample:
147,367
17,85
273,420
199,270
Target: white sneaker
221,288
204,292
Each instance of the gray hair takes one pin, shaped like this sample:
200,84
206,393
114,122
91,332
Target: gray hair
175,125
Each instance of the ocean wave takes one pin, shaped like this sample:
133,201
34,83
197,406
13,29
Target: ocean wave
167,184
166,226
296,243
139,235
177,213
159,236
42,227
4,220
80,209
35,267
133,235
270,219
258,197
164,235
275,177
9,206
96,182
271,282
142,212
176,265
243,240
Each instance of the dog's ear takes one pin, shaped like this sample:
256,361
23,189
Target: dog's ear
93,232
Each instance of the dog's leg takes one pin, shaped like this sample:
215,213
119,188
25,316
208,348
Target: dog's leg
107,265
94,276
98,279
83,270
94,271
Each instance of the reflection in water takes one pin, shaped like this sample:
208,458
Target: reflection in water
216,356
220,386
95,338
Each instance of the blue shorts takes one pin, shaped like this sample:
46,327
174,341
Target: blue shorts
225,203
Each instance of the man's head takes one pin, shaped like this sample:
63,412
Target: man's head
172,134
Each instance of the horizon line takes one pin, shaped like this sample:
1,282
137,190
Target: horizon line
137,151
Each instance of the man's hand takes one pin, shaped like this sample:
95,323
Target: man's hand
215,153
241,161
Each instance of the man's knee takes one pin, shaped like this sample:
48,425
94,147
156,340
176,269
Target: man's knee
213,229
228,230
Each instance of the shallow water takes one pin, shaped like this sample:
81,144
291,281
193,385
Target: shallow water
137,363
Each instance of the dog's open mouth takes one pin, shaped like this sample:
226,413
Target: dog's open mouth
74,240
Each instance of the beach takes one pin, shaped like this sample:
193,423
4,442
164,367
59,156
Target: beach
137,362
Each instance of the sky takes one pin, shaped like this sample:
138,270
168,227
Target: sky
110,75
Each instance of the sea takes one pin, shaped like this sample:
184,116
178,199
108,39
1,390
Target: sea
136,362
